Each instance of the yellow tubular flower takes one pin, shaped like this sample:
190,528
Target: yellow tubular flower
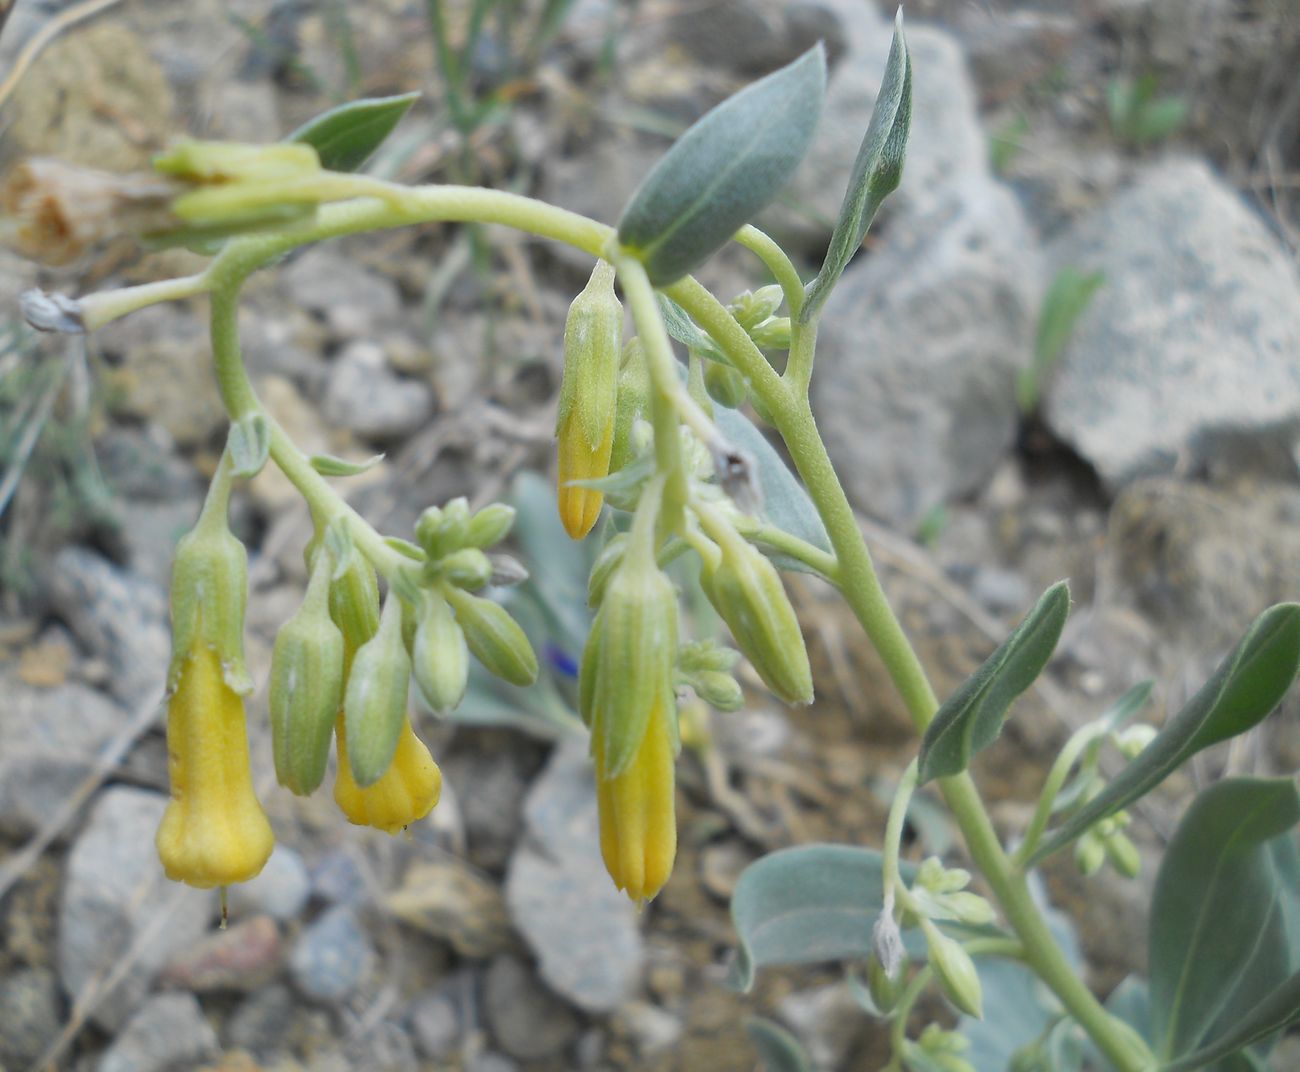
638,827
214,831
405,793
579,506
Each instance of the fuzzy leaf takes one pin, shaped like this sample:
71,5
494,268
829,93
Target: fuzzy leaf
328,465
346,136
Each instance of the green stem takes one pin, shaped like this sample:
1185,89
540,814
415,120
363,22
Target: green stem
799,365
889,877
774,257
820,562
105,306
1074,748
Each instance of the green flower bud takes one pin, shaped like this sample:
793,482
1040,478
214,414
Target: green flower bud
494,637
1089,853
210,590
587,673
374,707
718,689
609,559
467,568
746,591
633,400
955,971
884,990
1133,739
637,651
751,308
306,688
726,385
222,162
489,526
772,334
443,529
440,656
354,604
705,655
1123,855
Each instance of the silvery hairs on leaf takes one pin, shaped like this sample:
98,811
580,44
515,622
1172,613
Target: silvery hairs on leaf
737,471
887,939
52,312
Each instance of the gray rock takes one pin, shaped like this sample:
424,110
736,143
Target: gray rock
584,932
30,1016
490,787
116,905
353,301
919,348
169,1030
1001,591
259,1024
527,1020
49,739
336,879
491,1062
280,891
116,615
366,396
436,1023
388,1048
651,1028
753,37
141,463
332,956
1192,341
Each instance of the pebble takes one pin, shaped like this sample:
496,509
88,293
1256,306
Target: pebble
366,396
491,1062
353,301
436,1023
388,1048
116,903
169,1030
331,957
527,1020
280,891
259,1024
585,933
244,956
30,1015
447,899
651,1028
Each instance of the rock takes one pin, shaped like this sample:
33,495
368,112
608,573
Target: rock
1189,346
919,348
448,900
259,1024
652,1029
332,956
491,1062
753,38
367,397
527,1020
241,957
149,532
583,931
167,1031
388,1048
116,615
115,904
140,462
280,890
354,302
49,739
491,788
1000,591
1010,51
30,1015
436,1023
336,879
163,373
827,1019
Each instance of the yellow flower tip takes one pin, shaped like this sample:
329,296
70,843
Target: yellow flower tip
404,794
213,832
579,506
638,826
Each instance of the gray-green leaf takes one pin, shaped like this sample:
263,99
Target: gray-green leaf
971,718
724,170
682,328
1248,684
876,171
328,465
778,1050
344,137
249,444
1218,944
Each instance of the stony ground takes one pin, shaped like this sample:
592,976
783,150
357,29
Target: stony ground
1159,474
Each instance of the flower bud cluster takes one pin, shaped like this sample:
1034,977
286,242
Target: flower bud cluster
938,1050
940,893
754,311
1105,843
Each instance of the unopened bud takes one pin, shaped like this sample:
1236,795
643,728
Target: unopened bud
494,637
405,793
885,989
443,529
1133,739
705,655
588,397
955,970
1089,853
772,334
439,655
751,308
467,568
726,385
746,591
306,688
374,707
718,689
633,401
489,526
1123,855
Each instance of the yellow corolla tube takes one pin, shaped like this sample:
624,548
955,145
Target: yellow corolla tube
214,831
406,792
638,824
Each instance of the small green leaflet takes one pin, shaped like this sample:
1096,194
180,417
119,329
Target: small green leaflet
346,136
328,465
682,328
1247,685
249,445
724,170
1219,950
971,718
876,171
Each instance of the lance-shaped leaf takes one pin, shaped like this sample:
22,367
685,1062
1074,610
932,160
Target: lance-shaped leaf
876,171
971,718
344,137
682,328
249,444
1248,684
723,170
1219,953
